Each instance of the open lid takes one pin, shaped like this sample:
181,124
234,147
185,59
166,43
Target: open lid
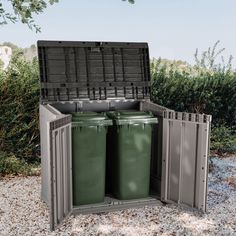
71,71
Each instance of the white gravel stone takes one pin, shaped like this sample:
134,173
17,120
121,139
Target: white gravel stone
22,213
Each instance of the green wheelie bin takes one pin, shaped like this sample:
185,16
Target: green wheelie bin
89,131
130,154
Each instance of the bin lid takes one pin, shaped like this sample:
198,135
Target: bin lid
90,119
86,115
72,71
132,117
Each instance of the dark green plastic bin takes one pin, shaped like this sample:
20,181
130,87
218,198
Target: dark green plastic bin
89,131
130,154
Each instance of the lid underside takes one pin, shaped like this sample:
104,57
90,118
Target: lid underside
93,70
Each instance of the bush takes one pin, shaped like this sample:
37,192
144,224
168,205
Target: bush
223,140
19,100
9,164
195,90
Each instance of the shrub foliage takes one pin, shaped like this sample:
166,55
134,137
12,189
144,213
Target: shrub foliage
175,85
195,90
223,140
11,165
19,98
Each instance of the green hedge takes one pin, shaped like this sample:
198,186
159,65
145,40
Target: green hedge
182,90
19,100
209,92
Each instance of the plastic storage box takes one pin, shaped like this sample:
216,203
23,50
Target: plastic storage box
130,153
89,131
112,76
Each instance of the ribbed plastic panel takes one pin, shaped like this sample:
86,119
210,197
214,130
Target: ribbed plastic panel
180,164
61,170
185,158
93,70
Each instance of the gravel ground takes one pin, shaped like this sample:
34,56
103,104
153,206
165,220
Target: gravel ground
22,212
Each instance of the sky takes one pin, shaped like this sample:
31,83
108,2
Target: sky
173,28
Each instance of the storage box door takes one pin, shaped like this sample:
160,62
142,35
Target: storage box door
46,115
185,147
60,170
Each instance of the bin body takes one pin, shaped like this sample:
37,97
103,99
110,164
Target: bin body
88,157
130,154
